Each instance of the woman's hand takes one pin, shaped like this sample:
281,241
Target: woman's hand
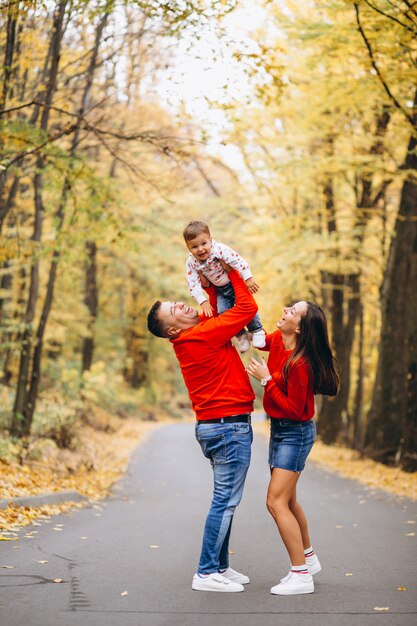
258,370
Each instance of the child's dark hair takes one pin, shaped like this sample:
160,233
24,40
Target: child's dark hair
193,229
313,344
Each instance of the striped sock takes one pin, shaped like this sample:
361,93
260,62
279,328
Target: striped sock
309,552
299,569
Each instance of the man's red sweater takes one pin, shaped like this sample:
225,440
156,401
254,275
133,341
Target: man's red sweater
213,372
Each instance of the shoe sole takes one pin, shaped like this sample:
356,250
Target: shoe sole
226,590
291,593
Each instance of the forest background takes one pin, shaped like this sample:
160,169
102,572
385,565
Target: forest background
302,157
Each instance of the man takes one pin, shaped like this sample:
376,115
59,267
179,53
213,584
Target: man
222,398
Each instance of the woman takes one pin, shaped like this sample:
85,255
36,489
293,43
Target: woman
300,364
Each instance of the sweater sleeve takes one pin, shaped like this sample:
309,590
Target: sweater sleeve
194,283
294,401
230,256
219,330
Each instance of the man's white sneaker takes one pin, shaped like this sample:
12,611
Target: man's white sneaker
243,342
215,582
235,576
259,339
313,564
294,584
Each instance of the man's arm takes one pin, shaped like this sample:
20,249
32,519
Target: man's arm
219,330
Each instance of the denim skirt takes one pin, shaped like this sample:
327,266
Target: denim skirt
290,443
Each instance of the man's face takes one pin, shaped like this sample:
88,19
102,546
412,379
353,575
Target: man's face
200,247
177,316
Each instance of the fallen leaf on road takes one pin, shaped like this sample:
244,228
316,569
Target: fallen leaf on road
338,526
154,546
7,566
58,529
410,534
381,608
402,589
411,521
83,537
124,593
42,562
232,552
349,574
58,580
2,538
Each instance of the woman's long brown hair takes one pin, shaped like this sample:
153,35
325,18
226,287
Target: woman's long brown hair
313,345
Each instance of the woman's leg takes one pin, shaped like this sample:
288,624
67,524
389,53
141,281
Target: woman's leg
297,510
281,491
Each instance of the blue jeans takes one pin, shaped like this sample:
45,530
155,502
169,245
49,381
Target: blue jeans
228,447
226,300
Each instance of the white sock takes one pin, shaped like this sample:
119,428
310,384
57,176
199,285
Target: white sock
309,552
299,569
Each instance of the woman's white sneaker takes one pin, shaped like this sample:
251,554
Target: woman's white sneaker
313,564
294,584
259,339
243,342
215,582
235,576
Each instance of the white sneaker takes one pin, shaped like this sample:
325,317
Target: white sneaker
243,342
313,564
259,339
235,576
294,584
215,582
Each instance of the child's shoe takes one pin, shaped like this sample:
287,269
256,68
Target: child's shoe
243,342
259,339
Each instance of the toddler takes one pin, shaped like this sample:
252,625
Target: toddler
204,257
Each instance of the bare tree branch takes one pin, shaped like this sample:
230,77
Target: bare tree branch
377,70
390,17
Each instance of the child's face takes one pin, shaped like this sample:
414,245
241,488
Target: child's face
200,247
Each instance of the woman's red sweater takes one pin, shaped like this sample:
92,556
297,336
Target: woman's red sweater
293,399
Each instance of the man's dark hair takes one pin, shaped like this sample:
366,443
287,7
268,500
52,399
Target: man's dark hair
155,325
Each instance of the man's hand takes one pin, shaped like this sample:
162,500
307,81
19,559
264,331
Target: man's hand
252,286
204,280
226,266
258,370
207,308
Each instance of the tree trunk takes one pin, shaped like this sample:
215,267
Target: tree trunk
358,425
392,425
136,371
91,302
21,420
59,216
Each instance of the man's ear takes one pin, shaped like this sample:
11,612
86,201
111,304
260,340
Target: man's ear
297,330
173,332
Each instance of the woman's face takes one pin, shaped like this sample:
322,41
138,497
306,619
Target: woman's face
290,321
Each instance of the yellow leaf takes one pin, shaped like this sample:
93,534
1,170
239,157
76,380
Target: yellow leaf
124,593
42,562
154,546
58,580
349,574
7,566
2,538
410,534
381,608
402,589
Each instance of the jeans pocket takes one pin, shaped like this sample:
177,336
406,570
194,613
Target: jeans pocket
214,448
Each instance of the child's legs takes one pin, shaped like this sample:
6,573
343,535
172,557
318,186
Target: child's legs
255,324
225,297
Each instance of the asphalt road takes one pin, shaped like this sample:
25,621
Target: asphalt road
145,540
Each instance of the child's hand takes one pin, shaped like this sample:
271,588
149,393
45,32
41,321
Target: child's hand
204,280
207,308
252,285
